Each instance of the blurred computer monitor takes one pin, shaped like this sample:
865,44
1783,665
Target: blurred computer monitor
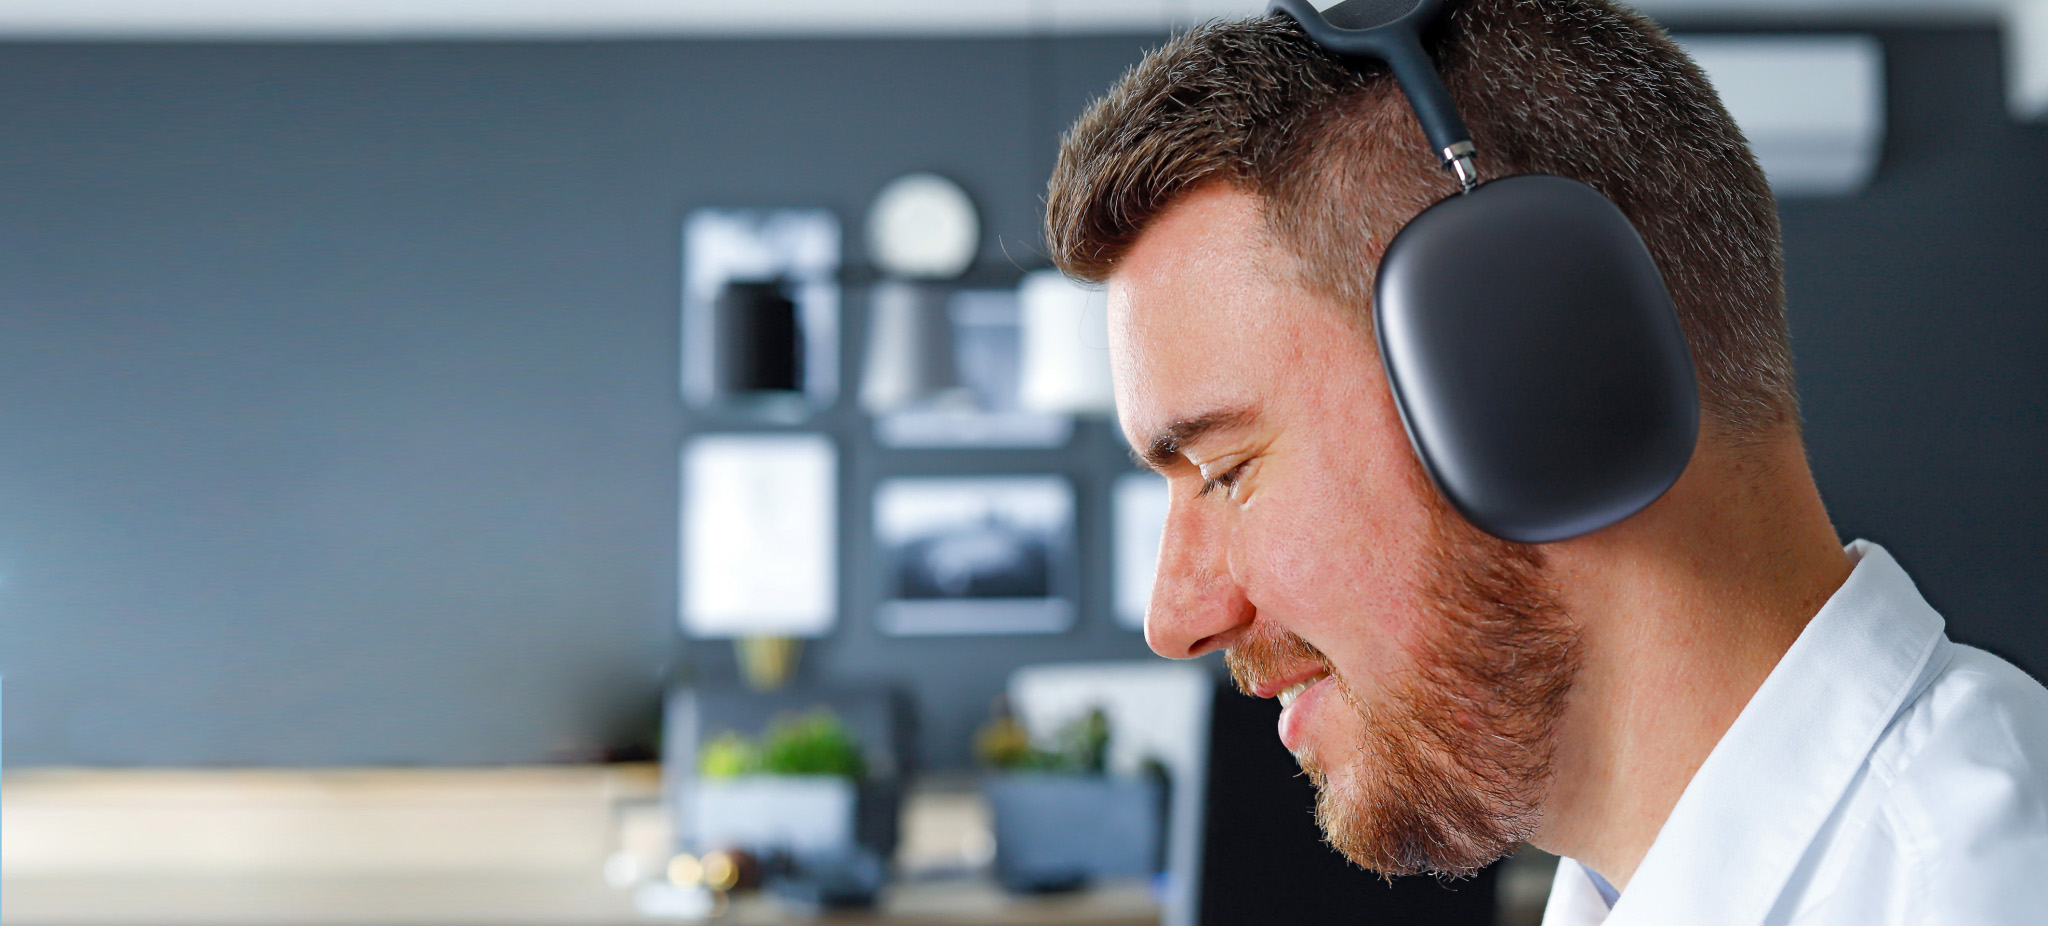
1263,859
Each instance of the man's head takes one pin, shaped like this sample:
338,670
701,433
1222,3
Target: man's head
1236,191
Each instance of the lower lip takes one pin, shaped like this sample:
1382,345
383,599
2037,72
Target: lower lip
1294,718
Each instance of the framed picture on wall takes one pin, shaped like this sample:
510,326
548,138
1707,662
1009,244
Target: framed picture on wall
976,554
760,313
759,545
944,369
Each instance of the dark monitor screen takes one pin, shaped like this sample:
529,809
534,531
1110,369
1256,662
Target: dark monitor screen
1264,860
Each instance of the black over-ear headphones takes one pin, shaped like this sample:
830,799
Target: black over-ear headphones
1529,341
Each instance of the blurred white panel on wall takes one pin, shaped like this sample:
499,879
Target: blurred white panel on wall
2026,59
1139,506
759,526
1807,11
1811,106
1065,357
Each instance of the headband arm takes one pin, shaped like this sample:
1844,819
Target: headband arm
1368,33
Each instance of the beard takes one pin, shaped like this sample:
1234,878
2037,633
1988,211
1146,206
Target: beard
1456,757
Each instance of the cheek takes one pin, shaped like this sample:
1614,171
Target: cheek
1337,538
1334,560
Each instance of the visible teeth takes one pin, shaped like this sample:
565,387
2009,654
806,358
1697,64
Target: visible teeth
1294,691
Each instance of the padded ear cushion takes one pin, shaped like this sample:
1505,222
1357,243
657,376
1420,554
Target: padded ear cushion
1536,358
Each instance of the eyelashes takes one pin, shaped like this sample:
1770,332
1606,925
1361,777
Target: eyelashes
1227,481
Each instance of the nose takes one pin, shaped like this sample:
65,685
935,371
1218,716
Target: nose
1197,605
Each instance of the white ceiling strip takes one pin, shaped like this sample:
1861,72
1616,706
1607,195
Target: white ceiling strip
486,19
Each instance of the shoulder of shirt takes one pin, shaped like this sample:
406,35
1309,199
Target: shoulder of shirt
1961,782
1977,711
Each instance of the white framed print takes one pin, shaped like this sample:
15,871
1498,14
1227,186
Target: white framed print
1138,506
759,535
976,554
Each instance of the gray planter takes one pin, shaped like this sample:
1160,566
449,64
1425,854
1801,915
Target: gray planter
761,813
1058,831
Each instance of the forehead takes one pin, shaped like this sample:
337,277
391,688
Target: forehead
1203,316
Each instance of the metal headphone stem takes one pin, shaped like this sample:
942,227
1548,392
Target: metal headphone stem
1458,160
1391,31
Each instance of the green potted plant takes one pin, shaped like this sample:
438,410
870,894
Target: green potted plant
794,789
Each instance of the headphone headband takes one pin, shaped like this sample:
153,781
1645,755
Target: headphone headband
1391,31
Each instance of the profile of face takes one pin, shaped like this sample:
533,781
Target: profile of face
1423,666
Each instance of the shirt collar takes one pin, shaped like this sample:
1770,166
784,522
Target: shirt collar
1757,803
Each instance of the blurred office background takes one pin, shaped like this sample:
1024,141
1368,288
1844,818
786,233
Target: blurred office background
339,349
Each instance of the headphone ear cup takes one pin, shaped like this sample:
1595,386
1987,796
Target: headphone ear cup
1536,358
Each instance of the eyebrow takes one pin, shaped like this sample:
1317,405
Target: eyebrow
1165,447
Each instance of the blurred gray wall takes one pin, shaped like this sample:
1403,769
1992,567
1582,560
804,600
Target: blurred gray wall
338,418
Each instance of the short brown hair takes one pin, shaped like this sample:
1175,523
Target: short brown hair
1576,88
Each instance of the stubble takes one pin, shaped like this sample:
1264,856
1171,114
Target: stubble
1456,758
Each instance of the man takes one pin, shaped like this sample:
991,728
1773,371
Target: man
1714,711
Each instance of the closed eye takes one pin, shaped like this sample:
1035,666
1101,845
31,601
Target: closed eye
1227,480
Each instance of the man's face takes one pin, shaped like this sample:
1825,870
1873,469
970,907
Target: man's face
1424,666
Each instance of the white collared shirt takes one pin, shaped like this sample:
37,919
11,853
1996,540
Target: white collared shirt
1881,775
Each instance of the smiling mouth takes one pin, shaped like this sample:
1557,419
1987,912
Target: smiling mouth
1288,694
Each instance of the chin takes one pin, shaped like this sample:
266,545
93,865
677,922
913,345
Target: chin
1400,794
1370,816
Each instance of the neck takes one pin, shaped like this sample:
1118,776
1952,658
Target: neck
1686,608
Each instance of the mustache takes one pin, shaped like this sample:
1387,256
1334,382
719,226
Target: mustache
1266,651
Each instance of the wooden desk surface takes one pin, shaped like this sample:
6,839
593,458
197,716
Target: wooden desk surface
499,900
385,847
